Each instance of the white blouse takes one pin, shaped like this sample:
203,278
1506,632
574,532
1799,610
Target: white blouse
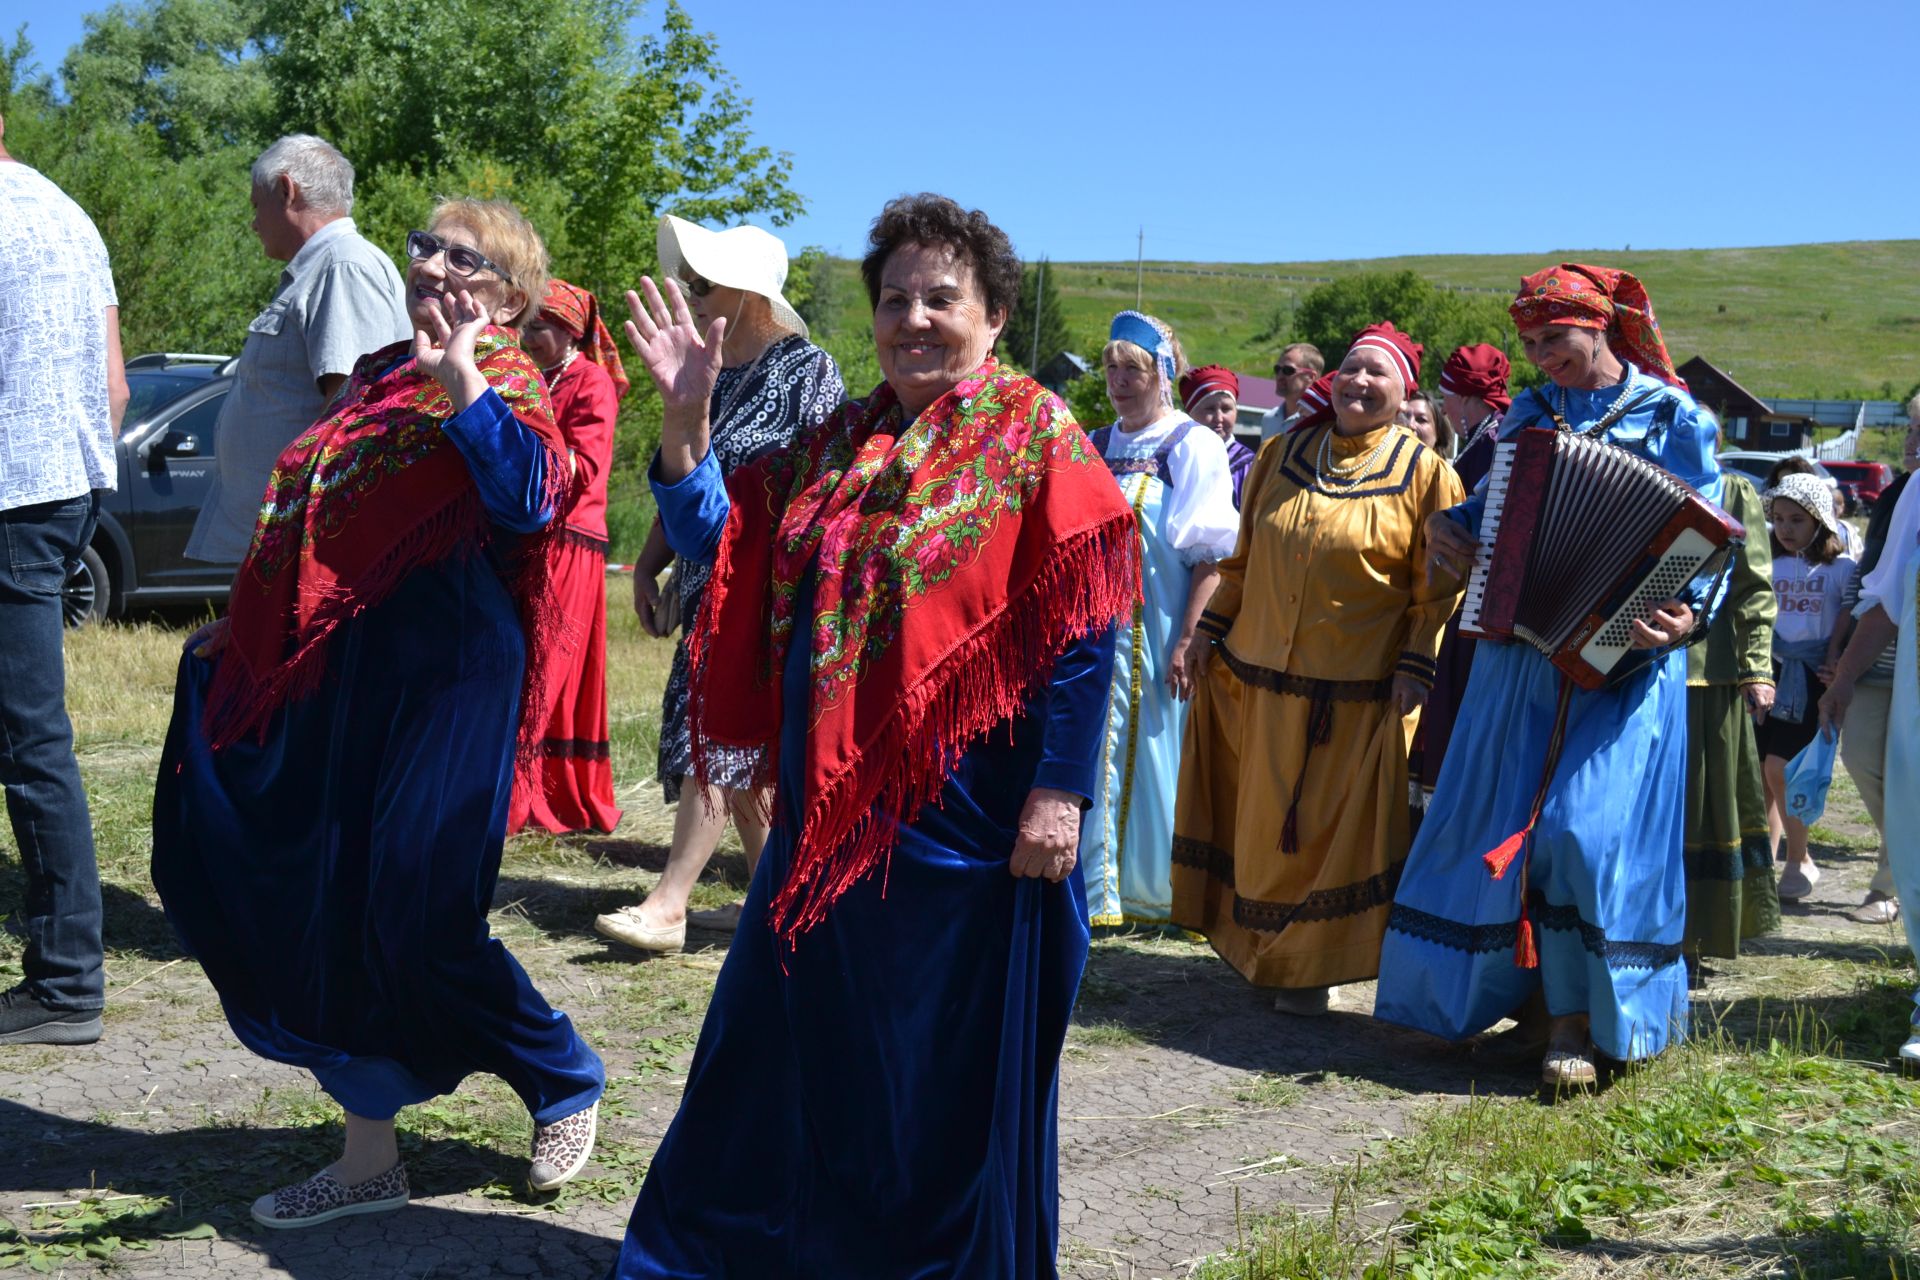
1200,522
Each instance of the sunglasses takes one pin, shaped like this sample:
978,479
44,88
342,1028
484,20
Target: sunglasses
462,261
1286,370
698,286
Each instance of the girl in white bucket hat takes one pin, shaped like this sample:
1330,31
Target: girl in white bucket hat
774,382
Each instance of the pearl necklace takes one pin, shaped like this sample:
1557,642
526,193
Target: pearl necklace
1615,411
1326,471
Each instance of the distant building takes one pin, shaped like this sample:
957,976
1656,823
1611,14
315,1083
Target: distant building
1064,368
1746,421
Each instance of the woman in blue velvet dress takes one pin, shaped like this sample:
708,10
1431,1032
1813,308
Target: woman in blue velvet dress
913,606
332,800
1594,912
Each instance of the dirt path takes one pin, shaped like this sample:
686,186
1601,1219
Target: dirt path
1189,1107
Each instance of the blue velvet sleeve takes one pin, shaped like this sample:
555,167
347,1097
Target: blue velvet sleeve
1075,714
508,462
693,510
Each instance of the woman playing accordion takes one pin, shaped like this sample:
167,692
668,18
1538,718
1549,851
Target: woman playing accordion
1547,879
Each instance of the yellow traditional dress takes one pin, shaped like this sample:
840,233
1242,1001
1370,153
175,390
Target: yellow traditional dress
1292,820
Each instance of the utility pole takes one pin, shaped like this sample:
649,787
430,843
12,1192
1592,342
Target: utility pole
1139,270
1039,292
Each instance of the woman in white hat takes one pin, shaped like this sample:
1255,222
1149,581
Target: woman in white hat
773,383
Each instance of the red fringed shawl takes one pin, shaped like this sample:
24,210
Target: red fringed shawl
954,558
362,498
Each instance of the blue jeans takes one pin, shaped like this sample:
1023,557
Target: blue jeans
45,800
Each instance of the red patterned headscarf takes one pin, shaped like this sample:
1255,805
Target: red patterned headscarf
954,556
578,312
1480,372
1197,384
1584,297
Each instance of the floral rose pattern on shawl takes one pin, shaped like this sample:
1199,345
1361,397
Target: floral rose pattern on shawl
952,558
357,501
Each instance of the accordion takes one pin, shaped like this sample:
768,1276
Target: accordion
1579,539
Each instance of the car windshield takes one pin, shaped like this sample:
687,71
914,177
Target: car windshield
148,391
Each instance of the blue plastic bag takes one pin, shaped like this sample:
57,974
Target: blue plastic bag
1809,774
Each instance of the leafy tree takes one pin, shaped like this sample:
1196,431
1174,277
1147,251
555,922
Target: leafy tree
1038,313
1440,319
1087,396
817,291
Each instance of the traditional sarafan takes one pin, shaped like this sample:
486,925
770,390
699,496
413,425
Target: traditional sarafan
1592,907
1293,821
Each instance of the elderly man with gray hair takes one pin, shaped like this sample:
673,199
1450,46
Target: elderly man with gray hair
339,298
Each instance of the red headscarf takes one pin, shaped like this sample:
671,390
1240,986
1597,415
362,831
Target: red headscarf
1479,371
578,312
1401,348
1316,404
1584,297
1200,383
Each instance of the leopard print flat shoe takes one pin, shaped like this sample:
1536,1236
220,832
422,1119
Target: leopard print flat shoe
560,1149
322,1198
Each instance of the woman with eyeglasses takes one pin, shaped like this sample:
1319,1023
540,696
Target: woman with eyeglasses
332,799
773,382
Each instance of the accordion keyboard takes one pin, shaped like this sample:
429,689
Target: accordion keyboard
1499,473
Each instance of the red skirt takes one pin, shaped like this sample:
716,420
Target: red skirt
568,786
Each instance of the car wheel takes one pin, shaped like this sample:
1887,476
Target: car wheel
88,591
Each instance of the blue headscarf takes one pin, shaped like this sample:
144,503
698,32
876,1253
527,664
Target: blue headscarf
1152,337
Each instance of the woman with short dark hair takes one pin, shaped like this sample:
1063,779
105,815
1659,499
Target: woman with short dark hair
913,607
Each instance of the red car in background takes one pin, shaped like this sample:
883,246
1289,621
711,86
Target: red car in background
1864,482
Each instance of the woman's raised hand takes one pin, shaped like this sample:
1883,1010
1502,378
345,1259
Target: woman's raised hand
444,350
684,365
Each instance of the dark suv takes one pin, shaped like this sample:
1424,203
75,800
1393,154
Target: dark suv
165,459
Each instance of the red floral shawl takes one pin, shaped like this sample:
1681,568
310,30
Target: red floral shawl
955,557
366,495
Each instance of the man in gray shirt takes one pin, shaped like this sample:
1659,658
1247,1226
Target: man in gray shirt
338,299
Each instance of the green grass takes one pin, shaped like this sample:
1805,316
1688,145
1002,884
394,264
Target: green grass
1816,320
1722,1155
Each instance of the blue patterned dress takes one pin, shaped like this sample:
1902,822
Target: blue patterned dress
1174,475
1605,877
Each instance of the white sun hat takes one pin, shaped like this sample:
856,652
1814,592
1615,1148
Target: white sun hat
739,258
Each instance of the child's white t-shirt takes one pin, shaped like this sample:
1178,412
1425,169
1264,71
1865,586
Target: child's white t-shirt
1809,596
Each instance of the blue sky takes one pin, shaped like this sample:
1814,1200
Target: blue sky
1278,131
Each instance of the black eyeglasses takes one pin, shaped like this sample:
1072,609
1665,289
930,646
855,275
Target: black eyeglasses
698,286
1285,371
462,261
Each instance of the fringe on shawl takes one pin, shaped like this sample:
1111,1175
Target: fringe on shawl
240,701
848,831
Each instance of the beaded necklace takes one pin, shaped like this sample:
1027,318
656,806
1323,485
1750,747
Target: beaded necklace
1326,471
1615,411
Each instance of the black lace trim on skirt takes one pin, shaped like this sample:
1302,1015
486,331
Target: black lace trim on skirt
1482,938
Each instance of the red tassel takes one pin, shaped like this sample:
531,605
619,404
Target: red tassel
1525,954
1503,855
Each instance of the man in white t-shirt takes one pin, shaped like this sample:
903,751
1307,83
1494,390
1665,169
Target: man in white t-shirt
1293,373
62,392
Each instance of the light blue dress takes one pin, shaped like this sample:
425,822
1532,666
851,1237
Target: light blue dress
1175,476
1605,880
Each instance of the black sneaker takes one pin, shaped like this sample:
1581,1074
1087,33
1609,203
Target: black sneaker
24,1020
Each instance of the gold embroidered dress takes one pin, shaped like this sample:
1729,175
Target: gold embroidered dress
1292,820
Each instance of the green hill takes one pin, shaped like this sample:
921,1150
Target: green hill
1817,320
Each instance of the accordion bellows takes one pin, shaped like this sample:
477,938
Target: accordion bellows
1579,539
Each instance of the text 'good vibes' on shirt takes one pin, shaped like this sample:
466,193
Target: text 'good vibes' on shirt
1809,596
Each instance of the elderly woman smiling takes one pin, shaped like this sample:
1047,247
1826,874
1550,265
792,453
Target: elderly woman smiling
332,799
1292,821
1590,785
914,606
